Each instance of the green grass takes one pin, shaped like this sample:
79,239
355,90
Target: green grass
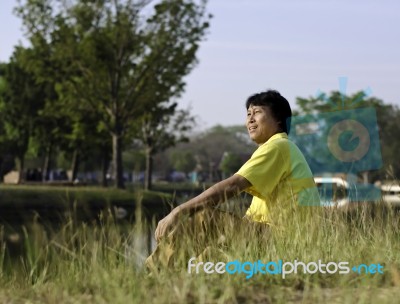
81,263
38,194
20,203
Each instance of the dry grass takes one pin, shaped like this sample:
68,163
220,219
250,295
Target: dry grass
81,263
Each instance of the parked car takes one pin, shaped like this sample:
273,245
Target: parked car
333,191
391,194
337,192
58,175
177,176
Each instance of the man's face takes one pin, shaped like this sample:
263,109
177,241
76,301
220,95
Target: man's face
260,124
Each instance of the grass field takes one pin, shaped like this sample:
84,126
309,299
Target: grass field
85,263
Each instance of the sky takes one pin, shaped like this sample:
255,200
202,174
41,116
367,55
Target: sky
298,47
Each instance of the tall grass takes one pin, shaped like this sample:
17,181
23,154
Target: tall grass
103,263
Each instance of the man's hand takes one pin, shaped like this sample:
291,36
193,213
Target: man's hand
164,225
218,193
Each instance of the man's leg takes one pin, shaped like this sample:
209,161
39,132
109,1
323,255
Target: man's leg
202,233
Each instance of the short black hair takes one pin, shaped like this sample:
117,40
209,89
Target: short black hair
278,105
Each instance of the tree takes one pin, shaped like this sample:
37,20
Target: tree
22,100
6,158
230,163
209,146
162,128
116,55
183,161
40,60
87,138
212,144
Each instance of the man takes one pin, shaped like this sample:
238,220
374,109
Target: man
277,173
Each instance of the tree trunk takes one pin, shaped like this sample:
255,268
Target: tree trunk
75,165
149,169
21,151
21,164
104,167
47,163
1,169
117,161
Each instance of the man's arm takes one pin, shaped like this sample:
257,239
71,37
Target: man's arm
218,193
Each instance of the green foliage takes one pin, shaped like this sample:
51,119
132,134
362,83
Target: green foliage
210,146
231,163
109,63
22,102
183,161
162,128
134,160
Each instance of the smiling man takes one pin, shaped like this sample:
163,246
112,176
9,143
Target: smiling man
277,173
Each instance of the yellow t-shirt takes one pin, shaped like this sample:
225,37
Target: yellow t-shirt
279,174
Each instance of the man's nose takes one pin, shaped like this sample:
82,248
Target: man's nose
250,118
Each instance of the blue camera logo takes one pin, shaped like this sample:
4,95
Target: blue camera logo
344,140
